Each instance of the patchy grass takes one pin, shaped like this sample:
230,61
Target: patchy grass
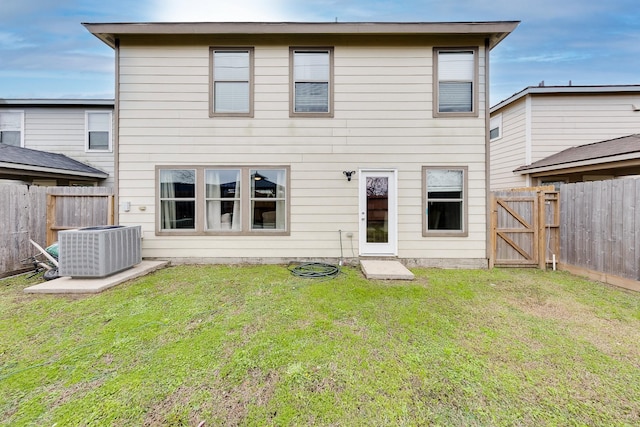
256,346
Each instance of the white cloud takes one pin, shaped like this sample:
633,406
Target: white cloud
220,11
553,57
12,41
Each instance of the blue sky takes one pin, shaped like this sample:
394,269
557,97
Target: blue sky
45,52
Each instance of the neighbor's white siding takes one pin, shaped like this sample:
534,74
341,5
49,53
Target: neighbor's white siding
62,130
508,151
561,122
557,122
383,119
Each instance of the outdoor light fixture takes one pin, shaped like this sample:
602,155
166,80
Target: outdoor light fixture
348,174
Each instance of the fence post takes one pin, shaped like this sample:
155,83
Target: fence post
494,224
542,222
110,209
51,220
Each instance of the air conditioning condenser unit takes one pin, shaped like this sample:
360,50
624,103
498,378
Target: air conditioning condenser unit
101,251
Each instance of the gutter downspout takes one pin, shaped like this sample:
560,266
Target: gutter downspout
487,155
116,136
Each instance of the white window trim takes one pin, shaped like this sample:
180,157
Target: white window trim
86,131
21,123
495,122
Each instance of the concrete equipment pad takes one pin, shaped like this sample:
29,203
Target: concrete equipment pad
68,285
385,270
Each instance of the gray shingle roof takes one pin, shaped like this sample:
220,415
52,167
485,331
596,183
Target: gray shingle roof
27,158
602,150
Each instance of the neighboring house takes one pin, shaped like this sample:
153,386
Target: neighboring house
601,160
29,166
78,128
272,142
541,121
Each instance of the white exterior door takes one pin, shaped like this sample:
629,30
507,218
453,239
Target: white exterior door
378,212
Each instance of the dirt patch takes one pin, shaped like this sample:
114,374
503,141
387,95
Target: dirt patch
214,404
231,405
617,339
352,324
158,414
72,392
545,309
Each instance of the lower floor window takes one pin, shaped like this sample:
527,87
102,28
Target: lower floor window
222,192
444,200
268,201
177,199
211,200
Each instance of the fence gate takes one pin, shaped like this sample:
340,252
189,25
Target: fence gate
520,233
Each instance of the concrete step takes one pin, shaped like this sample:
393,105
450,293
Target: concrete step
67,285
385,270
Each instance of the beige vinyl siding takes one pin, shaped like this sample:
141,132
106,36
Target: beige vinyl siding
383,119
62,130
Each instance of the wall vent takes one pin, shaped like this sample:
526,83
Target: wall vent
98,251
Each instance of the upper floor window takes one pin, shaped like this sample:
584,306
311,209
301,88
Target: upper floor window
12,128
455,82
98,135
232,82
311,82
444,201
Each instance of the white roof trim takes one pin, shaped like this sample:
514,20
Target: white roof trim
537,90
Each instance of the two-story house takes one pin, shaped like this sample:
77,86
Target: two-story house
542,121
62,132
273,142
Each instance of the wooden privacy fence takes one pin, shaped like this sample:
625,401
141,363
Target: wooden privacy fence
600,234
73,207
524,227
38,213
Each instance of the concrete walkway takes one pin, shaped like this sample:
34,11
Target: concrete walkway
68,285
385,270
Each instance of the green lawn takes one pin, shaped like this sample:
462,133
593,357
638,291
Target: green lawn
257,346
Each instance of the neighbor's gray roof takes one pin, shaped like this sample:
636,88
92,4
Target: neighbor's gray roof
495,31
55,102
28,160
624,148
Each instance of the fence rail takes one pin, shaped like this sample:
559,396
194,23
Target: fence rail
37,213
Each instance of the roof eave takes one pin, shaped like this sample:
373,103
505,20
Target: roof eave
496,31
53,171
41,102
562,90
527,170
